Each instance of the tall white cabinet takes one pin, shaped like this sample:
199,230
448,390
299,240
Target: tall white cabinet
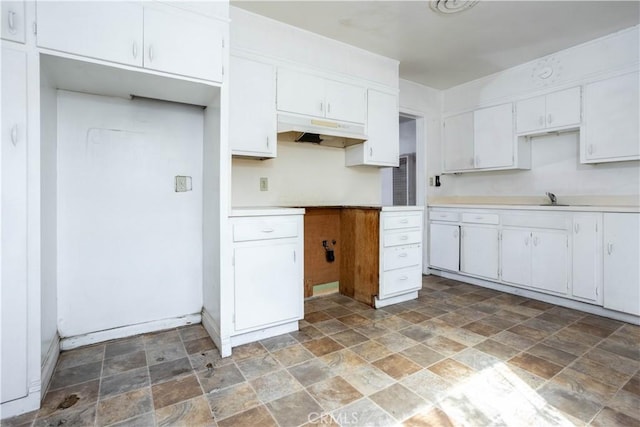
621,267
13,226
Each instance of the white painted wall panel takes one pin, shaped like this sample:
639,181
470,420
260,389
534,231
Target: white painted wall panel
129,246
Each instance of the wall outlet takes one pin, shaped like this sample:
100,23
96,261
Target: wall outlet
183,183
264,184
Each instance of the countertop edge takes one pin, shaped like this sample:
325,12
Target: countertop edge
574,208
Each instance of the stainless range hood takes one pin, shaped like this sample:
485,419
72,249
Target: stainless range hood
319,131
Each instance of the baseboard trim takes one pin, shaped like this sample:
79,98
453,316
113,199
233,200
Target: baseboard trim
68,343
395,300
49,363
563,302
213,331
261,334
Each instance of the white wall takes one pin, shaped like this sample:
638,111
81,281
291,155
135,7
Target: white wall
555,160
304,175
129,246
408,137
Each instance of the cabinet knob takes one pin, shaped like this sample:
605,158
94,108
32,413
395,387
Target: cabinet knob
267,230
14,135
403,278
370,151
403,255
549,119
267,142
590,150
11,18
576,228
321,107
150,53
404,237
477,160
134,49
609,248
328,107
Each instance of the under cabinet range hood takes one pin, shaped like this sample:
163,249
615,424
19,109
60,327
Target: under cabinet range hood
319,131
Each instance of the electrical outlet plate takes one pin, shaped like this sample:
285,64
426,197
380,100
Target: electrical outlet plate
264,184
183,183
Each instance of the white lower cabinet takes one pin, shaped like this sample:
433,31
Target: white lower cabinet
444,246
621,266
479,251
400,253
13,227
268,267
587,257
515,264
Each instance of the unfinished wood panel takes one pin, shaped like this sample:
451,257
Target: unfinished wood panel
360,254
320,224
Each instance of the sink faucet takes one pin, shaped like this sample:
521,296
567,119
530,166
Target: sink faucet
552,197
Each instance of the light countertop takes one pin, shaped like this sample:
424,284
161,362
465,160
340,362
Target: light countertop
547,208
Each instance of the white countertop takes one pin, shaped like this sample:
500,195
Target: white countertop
265,211
547,208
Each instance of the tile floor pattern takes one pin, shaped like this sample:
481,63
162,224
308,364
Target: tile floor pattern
460,355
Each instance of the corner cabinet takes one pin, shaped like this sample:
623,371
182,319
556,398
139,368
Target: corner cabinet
133,33
484,139
611,130
382,147
268,266
252,116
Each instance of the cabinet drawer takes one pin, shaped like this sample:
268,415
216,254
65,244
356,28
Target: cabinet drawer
402,256
402,238
444,216
401,280
480,218
264,230
401,221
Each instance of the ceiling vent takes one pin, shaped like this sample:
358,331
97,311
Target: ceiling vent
448,7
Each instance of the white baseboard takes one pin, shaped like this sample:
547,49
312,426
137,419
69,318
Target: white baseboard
214,332
552,299
68,343
49,363
395,300
261,334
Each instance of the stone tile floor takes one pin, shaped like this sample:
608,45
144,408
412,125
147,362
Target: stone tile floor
460,355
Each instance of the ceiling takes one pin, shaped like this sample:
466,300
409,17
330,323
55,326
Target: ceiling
441,51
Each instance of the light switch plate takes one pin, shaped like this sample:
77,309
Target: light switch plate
264,184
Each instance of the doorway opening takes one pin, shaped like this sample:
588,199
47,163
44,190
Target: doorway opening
399,183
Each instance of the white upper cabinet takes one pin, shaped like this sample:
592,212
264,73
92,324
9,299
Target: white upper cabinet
13,21
552,111
183,43
311,95
458,142
252,110
104,30
611,114
382,146
155,36
494,139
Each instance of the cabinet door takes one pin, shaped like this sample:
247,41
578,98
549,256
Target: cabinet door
530,114
268,284
300,93
611,129
457,142
345,102
479,251
13,225
383,145
13,21
252,106
183,43
563,108
98,29
587,257
444,246
621,268
516,256
493,136
549,261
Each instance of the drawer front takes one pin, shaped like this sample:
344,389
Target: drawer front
401,256
401,221
481,218
402,238
444,216
401,281
264,229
